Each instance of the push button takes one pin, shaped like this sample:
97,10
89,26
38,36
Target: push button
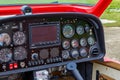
15,65
10,66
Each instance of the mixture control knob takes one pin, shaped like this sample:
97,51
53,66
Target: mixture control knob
34,56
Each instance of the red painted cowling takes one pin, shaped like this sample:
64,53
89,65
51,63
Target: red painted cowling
97,10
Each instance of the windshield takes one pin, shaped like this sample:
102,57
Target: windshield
15,2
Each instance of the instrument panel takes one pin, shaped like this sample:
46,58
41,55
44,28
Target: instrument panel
32,42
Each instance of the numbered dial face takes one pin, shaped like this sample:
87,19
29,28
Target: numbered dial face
65,54
20,53
68,31
80,30
66,44
5,55
5,39
83,42
75,53
75,43
19,38
83,52
91,41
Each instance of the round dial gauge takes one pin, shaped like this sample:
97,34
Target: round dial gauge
44,53
66,44
20,53
75,53
5,39
83,52
65,54
5,55
80,30
83,42
91,41
74,43
68,31
54,52
87,28
19,38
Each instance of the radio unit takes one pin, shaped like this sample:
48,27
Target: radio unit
33,42
44,34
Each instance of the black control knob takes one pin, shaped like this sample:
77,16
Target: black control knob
34,56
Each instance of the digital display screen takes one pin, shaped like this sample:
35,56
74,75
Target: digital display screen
43,34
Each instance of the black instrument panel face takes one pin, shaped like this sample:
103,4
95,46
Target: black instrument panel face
41,41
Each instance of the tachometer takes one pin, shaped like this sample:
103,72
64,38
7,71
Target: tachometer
80,30
68,31
19,38
20,53
5,55
5,39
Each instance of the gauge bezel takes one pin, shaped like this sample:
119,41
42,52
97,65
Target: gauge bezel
85,51
5,33
77,43
80,26
23,42
23,50
10,57
63,44
85,42
93,40
70,26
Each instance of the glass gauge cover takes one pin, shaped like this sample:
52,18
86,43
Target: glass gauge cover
83,52
74,43
83,42
19,38
91,41
66,44
68,31
54,52
44,53
5,39
80,30
75,53
20,53
5,55
65,54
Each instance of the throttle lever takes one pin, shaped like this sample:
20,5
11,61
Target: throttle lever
73,68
